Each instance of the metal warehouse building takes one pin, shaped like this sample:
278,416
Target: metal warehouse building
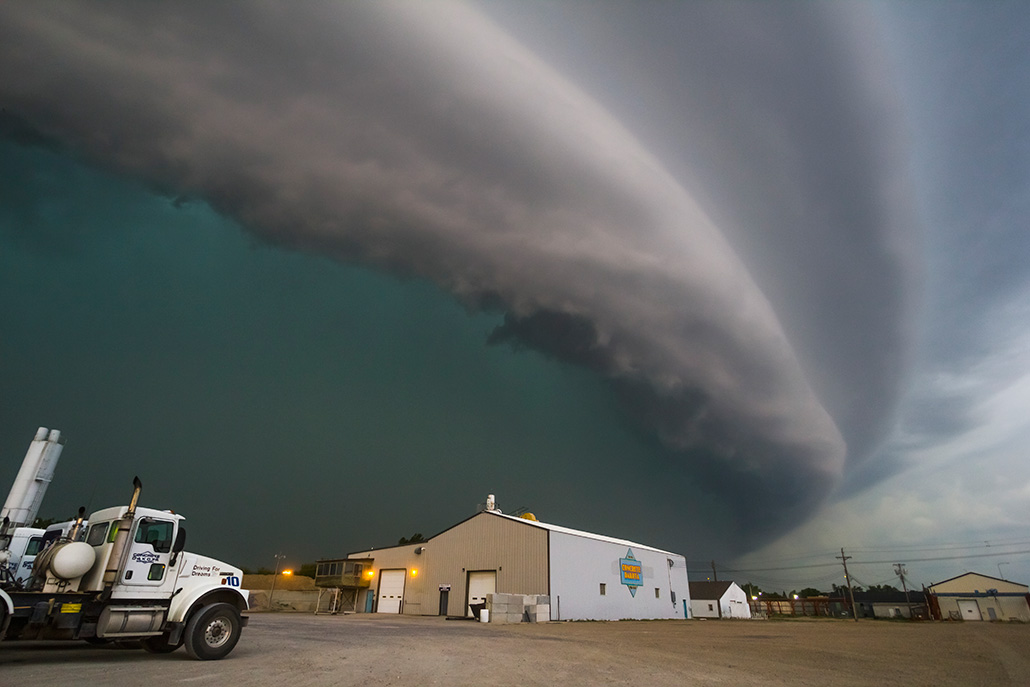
973,596
587,576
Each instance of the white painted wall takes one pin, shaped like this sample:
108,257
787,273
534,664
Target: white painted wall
579,565
735,603
704,608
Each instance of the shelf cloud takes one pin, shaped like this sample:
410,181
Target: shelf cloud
423,139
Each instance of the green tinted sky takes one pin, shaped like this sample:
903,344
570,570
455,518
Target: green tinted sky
285,400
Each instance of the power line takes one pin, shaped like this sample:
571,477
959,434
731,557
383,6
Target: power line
993,554
947,546
951,558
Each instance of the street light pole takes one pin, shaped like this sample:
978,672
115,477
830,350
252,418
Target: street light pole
278,558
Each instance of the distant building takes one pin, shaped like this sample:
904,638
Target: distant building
973,596
586,576
718,600
891,604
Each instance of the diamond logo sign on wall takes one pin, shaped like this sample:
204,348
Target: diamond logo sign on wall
631,572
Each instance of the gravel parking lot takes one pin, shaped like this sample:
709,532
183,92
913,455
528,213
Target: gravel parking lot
296,650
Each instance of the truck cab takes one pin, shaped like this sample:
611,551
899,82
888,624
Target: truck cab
128,577
25,543
148,568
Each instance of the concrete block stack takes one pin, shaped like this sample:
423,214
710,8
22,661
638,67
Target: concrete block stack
538,608
518,608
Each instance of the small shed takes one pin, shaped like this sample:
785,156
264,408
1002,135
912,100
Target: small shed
718,600
973,596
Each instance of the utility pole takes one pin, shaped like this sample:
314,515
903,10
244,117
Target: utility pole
278,559
899,570
844,560
715,575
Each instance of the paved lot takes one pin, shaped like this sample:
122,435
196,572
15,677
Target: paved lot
299,650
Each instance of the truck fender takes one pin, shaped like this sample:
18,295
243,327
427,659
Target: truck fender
6,612
184,602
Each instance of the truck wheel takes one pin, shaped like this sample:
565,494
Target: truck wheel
212,631
159,644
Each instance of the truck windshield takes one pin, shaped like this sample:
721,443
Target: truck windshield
157,533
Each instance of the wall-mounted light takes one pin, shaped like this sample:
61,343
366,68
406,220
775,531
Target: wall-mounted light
414,572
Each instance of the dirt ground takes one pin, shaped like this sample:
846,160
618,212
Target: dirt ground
300,650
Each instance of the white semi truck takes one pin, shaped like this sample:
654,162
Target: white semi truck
128,578
23,545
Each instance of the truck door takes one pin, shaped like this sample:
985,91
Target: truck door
149,553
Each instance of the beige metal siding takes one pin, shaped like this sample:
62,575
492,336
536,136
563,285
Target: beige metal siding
972,581
516,550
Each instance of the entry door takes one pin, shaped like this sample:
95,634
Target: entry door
149,553
481,584
391,591
969,609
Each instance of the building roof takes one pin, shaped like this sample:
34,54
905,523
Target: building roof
896,597
976,574
709,591
580,533
530,523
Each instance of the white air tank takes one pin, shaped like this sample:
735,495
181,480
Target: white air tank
37,470
71,560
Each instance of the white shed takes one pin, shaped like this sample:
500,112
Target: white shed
718,600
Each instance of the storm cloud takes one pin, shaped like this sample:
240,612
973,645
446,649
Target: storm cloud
747,310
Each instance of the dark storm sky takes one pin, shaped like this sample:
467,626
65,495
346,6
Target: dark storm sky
694,274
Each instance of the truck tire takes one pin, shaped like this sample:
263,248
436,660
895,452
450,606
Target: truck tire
212,631
159,644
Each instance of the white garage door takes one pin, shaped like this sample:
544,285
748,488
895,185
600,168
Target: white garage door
391,591
481,584
970,609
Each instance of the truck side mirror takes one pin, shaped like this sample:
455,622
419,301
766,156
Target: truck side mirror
179,545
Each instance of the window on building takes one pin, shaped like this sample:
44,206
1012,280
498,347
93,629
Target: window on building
657,593
711,607
603,589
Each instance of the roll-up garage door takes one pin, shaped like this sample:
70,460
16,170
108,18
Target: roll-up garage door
481,584
391,591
